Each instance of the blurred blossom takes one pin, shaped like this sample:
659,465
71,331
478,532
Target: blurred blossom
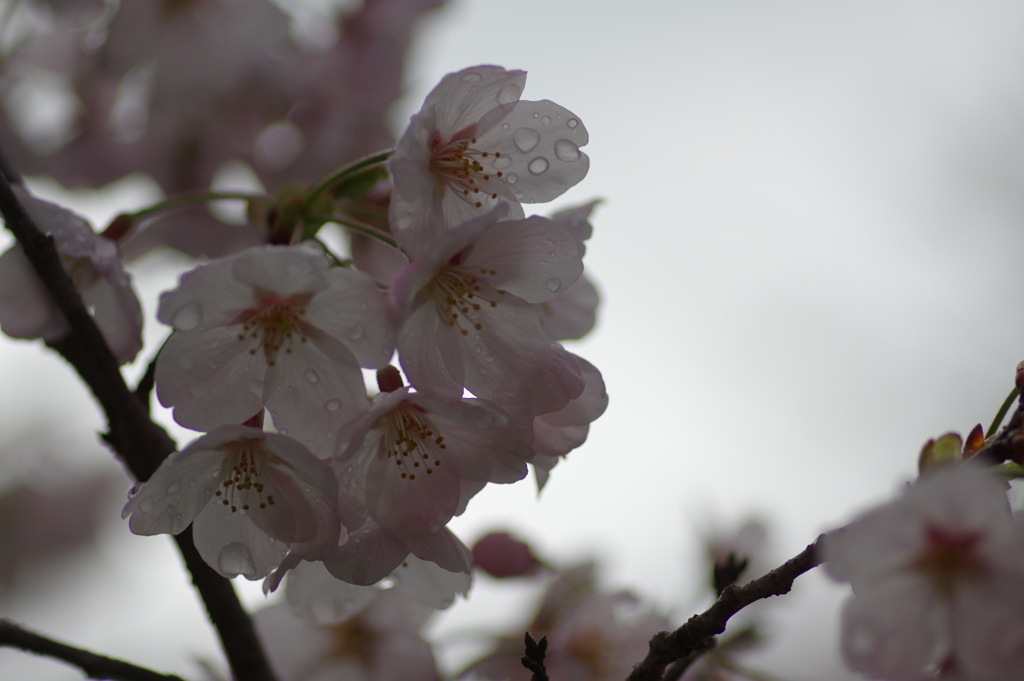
499,554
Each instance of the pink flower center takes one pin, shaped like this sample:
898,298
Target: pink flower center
244,463
949,557
411,441
273,323
456,295
456,164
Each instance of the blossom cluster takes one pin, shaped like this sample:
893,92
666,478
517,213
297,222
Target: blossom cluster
363,487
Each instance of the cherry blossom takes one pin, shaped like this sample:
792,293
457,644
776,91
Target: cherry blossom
468,320
936,578
413,462
92,262
251,496
380,643
474,145
274,327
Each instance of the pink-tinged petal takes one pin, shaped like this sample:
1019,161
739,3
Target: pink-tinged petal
463,98
300,463
295,646
402,656
590,403
355,312
232,545
26,309
576,221
429,584
988,629
543,141
176,493
310,391
894,631
412,505
206,297
972,498
444,549
119,316
554,441
572,314
285,270
533,259
436,366
207,380
382,262
369,555
316,595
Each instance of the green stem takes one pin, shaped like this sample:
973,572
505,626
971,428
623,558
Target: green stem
998,420
362,229
201,197
339,175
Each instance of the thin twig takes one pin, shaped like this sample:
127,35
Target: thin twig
140,443
667,647
534,657
95,666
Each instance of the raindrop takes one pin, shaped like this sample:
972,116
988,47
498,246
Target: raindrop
483,371
509,93
191,483
235,559
572,122
311,376
471,77
509,393
146,505
525,139
478,349
520,195
188,316
215,474
538,165
174,487
554,284
356,332
511,178
489,358
283,431
503,162
546,120
536,115
504,126
333,405
567,151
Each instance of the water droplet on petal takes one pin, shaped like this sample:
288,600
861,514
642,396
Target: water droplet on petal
509,393
283,431
567,151
191,483
489,358
215,474
525,139
188,316
554,284
471,77
511,178
483,371
311,376
235,559
356,332
536,115
509,93
478,349
333,405
546,120
505,126
146,505
538,165
174,487
572,122
520,195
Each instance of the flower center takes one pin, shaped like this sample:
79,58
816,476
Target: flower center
273,323
410,440
456,296
457,165
242,488
949,557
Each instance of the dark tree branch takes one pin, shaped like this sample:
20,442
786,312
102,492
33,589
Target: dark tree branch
95,666
534,657
667,647
140,443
